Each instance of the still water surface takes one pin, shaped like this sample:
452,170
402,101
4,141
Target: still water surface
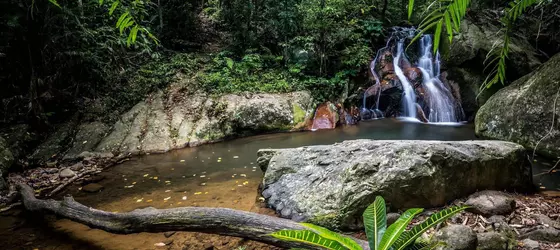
215,175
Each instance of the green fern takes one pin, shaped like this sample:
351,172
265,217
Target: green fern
127,23
497,56
396,237
449,13
410,236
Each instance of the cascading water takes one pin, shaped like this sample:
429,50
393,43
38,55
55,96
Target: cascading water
442,104
427,98
409,97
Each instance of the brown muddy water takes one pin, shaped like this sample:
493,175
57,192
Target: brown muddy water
216,175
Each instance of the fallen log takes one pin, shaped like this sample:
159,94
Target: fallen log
222,221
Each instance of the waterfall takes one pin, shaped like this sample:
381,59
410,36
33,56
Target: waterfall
409,97
441,104
428,99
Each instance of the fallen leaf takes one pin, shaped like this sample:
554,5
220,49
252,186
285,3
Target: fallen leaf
197,193
159,244
182,161
167,198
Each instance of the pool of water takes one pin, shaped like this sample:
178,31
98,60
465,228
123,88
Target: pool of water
214,175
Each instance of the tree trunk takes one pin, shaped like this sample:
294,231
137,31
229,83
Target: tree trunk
222,221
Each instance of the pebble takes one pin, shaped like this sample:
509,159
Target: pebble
66,173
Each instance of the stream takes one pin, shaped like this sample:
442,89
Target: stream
215,175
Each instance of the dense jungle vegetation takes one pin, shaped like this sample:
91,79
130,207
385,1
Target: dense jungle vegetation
59,57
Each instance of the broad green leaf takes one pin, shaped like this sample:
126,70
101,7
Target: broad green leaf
424,246
409,237
121,19
437,35
229,62
448,27
308,236
410,8
323,232
113,7
375,222
55,3
100,2
397,228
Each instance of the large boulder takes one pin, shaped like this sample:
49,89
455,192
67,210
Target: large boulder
464,56
523,112
331,185
174,120
476,40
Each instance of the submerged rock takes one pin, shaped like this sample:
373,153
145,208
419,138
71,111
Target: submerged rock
331,185
457,237
490,203
92,188
523,111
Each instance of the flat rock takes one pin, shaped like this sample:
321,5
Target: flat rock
66,173
548,234
490,203
92,188
457,237
494,241
530,244
331,185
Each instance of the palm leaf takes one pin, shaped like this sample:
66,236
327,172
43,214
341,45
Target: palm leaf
410,8
323,232
408,237
309,237
113,7
424,246
396,229
55,3
375,222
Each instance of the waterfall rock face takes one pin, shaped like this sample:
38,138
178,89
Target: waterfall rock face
423,93
523,112
173,120
331,185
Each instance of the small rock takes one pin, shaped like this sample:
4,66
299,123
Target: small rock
51,164
168,242
392,217
543,234
547,221
208,246
493,241
457,237
169,234
66,173
488,203
78,166
530,244
94,179
92,188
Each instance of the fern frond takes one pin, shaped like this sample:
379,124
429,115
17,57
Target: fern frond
496,59
450,14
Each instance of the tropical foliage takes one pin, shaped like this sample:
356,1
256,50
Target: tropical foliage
380,237
447,16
